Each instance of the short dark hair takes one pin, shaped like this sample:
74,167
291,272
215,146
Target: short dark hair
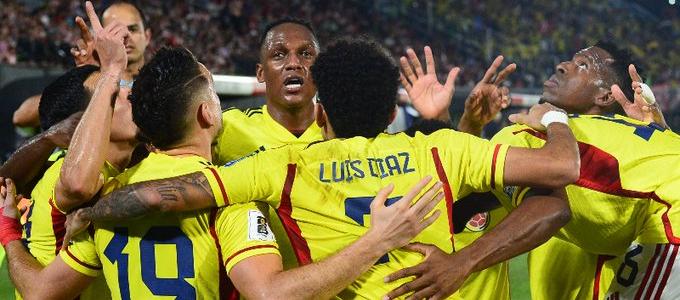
162,94
622,59
133,4
285,20
357,82
65,96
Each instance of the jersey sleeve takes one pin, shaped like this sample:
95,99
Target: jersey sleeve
81,255
510,196
257,177
243,231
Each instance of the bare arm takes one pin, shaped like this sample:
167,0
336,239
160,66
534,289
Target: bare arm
27,161
27,113
33,281
535,220
261,277
79,178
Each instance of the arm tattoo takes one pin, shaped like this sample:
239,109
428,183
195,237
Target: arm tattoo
184,193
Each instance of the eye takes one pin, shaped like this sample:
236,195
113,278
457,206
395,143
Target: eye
278,54
582,65
307,53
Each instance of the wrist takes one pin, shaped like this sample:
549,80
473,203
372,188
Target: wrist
10,229
375,243
554,116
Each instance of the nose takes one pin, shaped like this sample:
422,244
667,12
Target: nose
293,62
561,68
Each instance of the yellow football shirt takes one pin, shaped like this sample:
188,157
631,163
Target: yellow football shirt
625,191
252,131
186,255
44,229
323,193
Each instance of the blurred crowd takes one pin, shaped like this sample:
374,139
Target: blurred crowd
224,33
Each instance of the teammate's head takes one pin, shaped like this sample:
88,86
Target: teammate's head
357,81
287,50
583,84
173,99
66,95
130,15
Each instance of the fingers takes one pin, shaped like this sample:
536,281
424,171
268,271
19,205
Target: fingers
519,118
633,73
381,196
427,222
85,33
425,293
619,96
404,82
429,61
505,97
403,273
451,79
491,71
415,62
504,73
92,16
11,189
407,70
408,287
414,191
418,247
428,197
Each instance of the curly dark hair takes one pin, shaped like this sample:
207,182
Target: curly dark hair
285,20
622,59
357,81
162,94
65,96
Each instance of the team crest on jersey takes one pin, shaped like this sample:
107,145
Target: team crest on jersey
479,222
258,229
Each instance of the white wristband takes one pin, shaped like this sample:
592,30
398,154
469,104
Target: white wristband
554,116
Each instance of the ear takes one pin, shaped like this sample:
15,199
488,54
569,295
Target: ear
393,115
205,115
605,98
147,35
320,116
259,73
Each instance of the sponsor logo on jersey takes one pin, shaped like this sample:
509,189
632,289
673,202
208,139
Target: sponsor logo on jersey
479,222
258,229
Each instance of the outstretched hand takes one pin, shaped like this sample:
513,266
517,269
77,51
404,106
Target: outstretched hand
533,117
84,52
429,97
639,109
436,277
109,42
400,222
487,98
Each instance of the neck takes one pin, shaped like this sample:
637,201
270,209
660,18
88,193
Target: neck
197,146
133,69
119,153
293,119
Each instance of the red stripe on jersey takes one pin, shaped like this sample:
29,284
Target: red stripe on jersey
601,259
657,273
667,272
447,191
227,289
600,172
650,268
222,189
493,165
58,221
246,250
84,264
285,212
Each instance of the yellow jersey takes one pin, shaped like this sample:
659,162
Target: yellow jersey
620,197
186,255
322,194
43,231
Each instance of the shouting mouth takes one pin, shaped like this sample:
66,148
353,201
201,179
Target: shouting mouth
293,84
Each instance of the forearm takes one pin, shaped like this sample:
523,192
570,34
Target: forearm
184,193
87,151
328,277
27,161
24,269
467,126
535,220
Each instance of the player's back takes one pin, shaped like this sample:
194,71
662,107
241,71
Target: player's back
625,188
324,195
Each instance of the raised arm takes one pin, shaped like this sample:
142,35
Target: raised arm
554,165
27,113
644,106
56,281
536,219
391,227
27,161
79,179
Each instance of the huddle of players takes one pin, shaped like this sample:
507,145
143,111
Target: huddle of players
216,241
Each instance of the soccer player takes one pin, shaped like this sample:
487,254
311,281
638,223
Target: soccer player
210,243
614,204
323,191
